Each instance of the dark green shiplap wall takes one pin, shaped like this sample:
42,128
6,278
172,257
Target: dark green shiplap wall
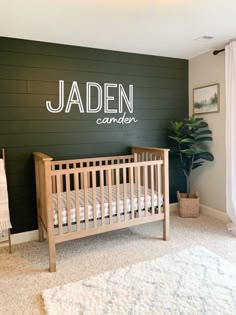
29,75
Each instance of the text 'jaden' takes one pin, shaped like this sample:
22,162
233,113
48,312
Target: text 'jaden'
103,96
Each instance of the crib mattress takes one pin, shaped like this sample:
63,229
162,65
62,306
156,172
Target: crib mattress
64,215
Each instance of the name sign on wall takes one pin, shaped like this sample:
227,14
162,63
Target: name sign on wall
103,104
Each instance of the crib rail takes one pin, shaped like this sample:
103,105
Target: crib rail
97,161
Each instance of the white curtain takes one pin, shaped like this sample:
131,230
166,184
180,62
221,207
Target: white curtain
230,85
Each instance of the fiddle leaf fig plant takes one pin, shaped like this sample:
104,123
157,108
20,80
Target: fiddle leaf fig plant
188,142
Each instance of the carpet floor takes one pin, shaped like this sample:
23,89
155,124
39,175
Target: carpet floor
23,275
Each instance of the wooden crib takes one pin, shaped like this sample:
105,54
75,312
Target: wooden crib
82,197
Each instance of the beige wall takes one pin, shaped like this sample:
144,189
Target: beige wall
209,180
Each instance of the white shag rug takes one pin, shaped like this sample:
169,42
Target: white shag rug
194,281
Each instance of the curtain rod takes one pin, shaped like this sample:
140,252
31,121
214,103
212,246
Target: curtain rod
216,52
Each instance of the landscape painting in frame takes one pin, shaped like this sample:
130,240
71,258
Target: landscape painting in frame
206,99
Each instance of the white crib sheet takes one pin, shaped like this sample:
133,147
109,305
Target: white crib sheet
98,202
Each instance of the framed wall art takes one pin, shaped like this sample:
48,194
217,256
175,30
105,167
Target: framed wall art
206,99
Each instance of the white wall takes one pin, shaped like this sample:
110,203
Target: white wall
209,180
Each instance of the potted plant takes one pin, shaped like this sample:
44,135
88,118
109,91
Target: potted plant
188,142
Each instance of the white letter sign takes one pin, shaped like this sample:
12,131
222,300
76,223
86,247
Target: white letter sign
74,92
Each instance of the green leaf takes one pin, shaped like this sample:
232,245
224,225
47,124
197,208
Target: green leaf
189,152
201,139
187,140
175,126
203,124
199,119
175,138
197,164
203,132
204,156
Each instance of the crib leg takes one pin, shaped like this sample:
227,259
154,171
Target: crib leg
52,255
40,229
166,229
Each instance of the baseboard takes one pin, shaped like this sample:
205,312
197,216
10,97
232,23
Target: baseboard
174,208
211,212
24,237
214,213
33,235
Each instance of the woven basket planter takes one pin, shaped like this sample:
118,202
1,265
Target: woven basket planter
188,207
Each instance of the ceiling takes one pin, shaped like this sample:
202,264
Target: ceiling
161,27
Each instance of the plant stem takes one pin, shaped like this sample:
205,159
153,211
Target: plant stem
188,185
188,179
185,173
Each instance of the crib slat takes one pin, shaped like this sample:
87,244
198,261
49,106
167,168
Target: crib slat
159,188
156,178
94,199
102,196
106,177
110,196
124,194
129,161
53,181
143,173
81,177
68,203
132,191
60,168
112,173
146,189
77,201
139,192
59,204
118,194
86,199
88,174
152,188
155,175
135,169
